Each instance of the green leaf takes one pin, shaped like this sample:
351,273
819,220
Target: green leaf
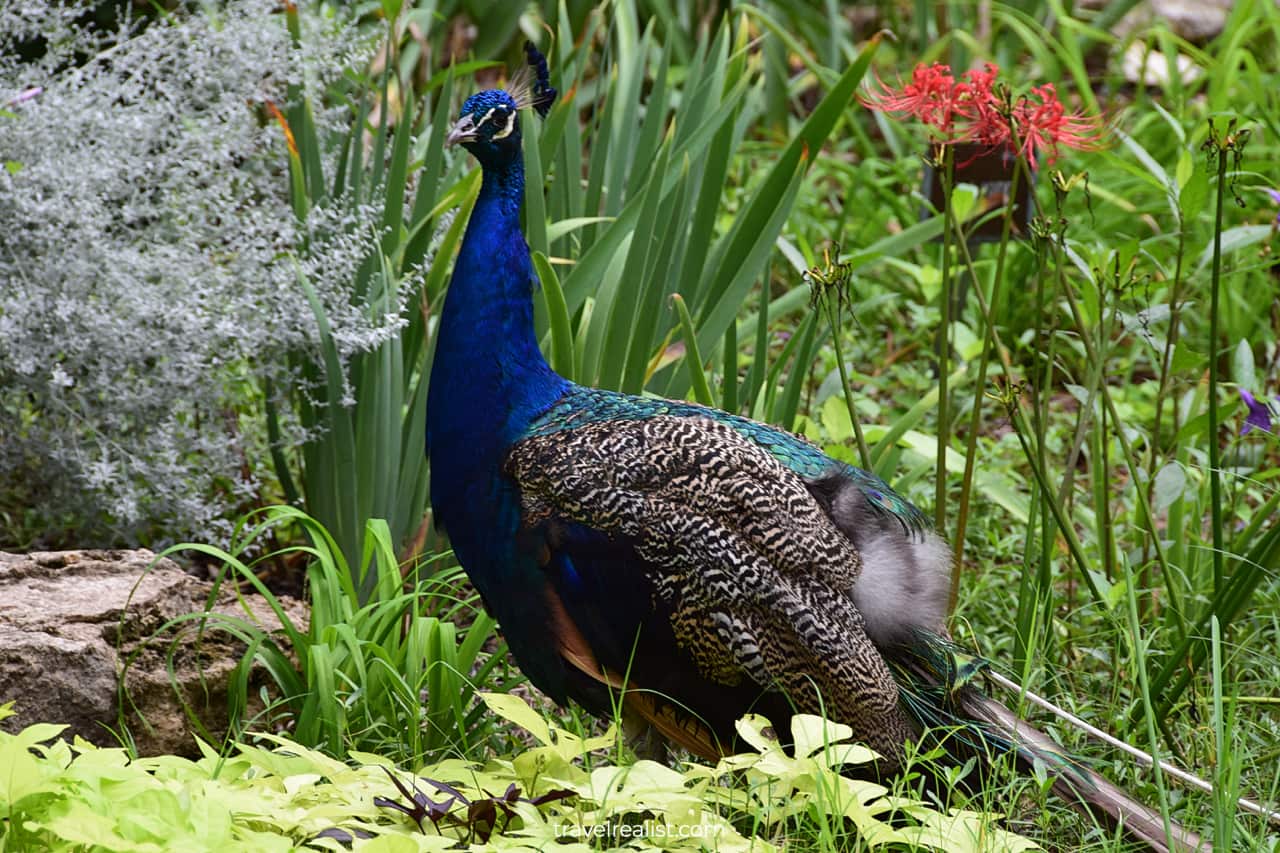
23,774
558,229
1193,195
1184,169
964,200
1170,483
515,710
835,419
390,844
1242,367
637,280
1233,240
1185,358
558,317
809,734
535,205
692,356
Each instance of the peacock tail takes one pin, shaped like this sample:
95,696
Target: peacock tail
699,564
940,684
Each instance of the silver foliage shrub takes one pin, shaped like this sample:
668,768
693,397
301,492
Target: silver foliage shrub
148,284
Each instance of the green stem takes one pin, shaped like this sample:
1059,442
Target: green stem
1139,662
1102,509
1215,462
1126,448
944,347
1131,459
833,316
1065,527
1166,369
1039,402
729,393
692,357
975,416
1040,394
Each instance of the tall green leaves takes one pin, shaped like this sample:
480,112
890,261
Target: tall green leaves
657,169
367,409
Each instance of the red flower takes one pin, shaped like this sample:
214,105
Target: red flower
987,126
969,110
1046,125
930,97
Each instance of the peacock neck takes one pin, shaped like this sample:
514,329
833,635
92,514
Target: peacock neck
501,195
489,378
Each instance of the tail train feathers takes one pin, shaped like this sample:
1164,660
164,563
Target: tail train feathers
938,689
937,681
1144,758
1079,785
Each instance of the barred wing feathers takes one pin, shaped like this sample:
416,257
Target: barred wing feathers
749,573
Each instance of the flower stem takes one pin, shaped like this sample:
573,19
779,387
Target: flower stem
975,417
1215,462
833,316
944,344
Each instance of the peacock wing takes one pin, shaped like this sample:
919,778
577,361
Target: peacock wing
749,573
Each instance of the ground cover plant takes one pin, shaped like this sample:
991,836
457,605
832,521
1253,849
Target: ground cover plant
278,796
1086,405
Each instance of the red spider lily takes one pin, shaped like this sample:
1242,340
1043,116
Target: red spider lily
930,97
987,125
1046,125
969,110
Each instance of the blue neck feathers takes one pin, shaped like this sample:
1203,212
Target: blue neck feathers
489,378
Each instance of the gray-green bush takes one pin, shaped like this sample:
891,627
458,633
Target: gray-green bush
148,284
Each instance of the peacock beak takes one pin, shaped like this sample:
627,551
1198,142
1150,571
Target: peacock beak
463,131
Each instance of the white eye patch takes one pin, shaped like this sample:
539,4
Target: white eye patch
511,125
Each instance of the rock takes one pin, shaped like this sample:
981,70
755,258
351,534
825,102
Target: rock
1142,60
1144,64
70,620
1194,20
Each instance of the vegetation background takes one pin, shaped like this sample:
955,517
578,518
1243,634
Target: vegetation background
227,230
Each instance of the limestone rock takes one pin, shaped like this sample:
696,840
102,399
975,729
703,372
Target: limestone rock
70,620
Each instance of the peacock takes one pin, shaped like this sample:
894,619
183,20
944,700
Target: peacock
699,564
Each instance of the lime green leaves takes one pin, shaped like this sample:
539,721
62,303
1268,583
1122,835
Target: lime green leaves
277,795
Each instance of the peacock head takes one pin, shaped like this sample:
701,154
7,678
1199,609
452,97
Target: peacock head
489,126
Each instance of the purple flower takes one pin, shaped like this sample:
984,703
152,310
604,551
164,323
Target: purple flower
1275,196
1260,412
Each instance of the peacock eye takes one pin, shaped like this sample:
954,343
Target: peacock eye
505,121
